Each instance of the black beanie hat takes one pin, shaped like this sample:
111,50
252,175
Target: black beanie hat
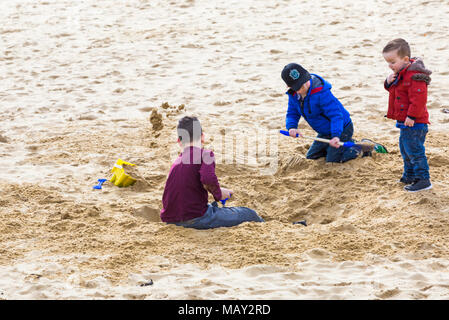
295,76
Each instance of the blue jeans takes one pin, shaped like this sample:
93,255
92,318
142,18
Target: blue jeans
216,217
342,154
411,144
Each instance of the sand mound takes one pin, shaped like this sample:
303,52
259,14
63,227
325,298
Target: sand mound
150,214
156,120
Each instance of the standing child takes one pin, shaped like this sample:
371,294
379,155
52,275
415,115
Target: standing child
407,87
310,97
192,175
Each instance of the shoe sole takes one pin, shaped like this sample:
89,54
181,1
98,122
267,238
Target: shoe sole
406,183
428,188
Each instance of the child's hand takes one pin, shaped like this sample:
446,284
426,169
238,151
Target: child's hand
334,142
409,122
391,78
226,193
293,132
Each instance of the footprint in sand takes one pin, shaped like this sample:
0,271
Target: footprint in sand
386,294
221,103
434,104
3,139
32,148
318,253
87,117
146,109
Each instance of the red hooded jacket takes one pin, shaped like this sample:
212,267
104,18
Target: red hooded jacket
408,93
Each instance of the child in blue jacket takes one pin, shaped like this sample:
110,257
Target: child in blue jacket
310,97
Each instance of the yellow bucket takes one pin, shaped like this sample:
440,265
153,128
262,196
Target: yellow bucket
119,177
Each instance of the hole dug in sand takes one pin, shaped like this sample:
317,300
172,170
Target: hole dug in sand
318,212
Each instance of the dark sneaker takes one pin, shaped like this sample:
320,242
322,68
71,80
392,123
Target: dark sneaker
407,180
357,150
419,185
367,154
377,146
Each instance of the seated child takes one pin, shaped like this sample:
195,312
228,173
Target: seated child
310,97
192,175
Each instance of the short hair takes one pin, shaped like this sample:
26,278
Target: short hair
189,129
398,44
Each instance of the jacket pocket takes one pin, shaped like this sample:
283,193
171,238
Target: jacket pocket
401,112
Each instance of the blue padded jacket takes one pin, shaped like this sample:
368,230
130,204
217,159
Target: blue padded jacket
320,108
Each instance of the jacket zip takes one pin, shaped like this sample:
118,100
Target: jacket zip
301,106
301,103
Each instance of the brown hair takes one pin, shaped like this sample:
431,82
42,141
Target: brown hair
189,129
398,44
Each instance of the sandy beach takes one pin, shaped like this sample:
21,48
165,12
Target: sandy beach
85,83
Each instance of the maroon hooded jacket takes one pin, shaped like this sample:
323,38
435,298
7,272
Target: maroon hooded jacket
408,93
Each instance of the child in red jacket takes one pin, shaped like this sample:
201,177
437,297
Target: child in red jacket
407,87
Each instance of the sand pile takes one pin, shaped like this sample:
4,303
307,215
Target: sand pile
156,121
81,94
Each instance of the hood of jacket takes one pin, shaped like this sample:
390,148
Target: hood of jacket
421,73
326,85
317,81
418,65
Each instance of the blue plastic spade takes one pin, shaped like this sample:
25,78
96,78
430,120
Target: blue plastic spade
100,183
347,144
366,145
223,202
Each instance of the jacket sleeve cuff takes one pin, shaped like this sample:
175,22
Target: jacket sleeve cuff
413,118
386,85
336,135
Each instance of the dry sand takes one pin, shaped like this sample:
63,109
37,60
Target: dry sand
86,83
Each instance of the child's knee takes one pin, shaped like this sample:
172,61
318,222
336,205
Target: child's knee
314,156
334,156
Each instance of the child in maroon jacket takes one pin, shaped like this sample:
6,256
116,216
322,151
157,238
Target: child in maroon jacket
407,87
191,177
